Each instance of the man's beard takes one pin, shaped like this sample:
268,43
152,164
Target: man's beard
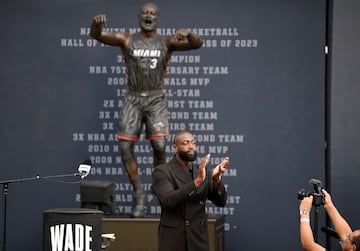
185,156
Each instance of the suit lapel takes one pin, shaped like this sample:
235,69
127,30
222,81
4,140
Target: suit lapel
180,172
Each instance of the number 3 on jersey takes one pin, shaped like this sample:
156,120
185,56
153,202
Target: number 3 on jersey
153,63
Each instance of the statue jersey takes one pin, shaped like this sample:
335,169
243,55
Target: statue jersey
146,63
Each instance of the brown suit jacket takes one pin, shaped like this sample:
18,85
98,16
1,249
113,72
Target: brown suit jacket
183,223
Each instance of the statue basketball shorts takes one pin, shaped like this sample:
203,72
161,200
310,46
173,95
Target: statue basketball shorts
147,108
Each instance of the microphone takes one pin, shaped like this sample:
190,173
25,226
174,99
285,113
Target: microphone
317,185
315,182
84,168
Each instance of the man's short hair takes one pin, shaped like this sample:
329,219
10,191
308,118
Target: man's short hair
356,241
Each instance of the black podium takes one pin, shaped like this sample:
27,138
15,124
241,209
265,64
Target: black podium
72,229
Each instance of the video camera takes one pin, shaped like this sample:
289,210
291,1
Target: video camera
318,196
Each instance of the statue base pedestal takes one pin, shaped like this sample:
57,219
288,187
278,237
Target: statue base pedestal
141,233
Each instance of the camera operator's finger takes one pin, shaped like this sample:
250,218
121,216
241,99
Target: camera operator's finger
325,192
306,204
328,200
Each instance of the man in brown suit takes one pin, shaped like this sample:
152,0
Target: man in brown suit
183,189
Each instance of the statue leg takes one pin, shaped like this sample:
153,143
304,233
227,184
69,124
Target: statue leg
131,167
159,153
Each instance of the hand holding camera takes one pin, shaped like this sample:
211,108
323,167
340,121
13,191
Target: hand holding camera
318,195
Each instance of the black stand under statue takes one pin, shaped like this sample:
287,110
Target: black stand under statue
6,184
